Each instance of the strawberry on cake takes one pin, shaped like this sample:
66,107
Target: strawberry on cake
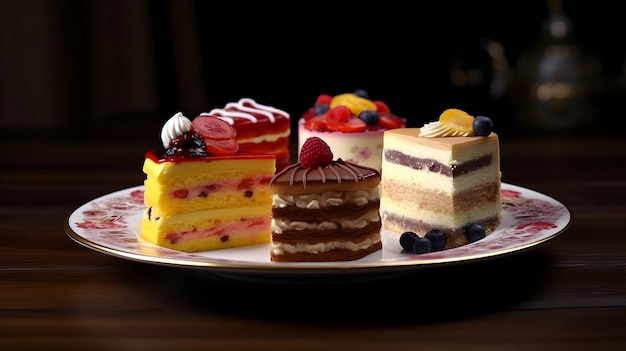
324,209
201,193
351,124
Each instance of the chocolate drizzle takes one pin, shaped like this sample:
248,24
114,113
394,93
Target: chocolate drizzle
338,171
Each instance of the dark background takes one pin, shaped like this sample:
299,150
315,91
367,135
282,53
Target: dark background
399,52
287,53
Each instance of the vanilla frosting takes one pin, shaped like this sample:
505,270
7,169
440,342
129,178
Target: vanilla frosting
439,130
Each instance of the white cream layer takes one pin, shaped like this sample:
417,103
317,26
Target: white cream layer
280,225
425,179
327,199
267,138
457,220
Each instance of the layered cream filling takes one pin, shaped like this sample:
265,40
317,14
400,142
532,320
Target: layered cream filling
432,181
282,225
267,138
445,220
208,230
281,248
207,218
327,199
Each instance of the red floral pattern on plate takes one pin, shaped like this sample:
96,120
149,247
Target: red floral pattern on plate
111,224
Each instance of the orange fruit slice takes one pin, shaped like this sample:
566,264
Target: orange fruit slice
355,103
457,119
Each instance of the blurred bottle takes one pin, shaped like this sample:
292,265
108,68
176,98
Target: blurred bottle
555,84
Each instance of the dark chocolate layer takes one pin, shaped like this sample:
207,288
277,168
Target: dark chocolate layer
400,158
313,236
330,214
328,256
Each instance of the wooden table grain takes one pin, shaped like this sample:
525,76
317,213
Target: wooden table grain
58,295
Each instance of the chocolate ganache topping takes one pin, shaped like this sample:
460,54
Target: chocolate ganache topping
297,179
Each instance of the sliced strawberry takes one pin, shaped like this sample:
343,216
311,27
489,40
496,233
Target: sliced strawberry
221,147
211,127
381,107
354,125
389,121
310,113
316,123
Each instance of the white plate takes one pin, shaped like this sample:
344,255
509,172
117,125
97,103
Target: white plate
110,224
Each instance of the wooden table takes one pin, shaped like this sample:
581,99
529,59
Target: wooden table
58,295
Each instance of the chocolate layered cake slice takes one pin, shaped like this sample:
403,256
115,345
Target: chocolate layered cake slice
324,209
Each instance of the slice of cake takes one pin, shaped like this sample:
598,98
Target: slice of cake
260,128
351,124
325,210
444,176
201,193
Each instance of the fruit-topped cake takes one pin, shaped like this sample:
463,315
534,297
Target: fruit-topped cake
351,124
201,193
260,128
324,209
442,181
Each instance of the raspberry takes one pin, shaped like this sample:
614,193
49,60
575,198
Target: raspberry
315,152
340,114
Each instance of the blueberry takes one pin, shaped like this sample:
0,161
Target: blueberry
369,117
437,238
407,239
482,125
320,109
474,232
361,93
422,245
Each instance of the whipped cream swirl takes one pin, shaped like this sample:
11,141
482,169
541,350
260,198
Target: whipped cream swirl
438,130
175,127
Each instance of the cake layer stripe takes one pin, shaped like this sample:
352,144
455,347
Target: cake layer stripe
253,137
189,169
434,181
223,228
436,217
238,192
316,235
347,211
410,198
280,225
435,166
326,256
